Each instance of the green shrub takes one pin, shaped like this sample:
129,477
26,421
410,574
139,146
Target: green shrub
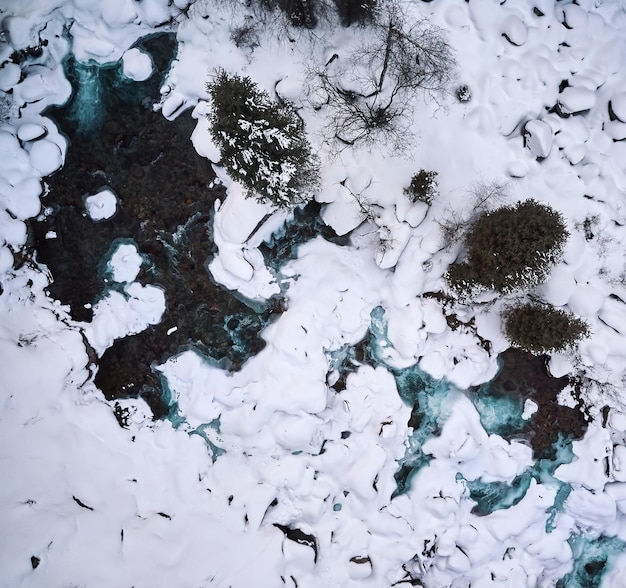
423,187
542,328
262,142
513,247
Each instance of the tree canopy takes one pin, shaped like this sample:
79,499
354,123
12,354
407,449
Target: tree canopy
542,328
262,142
512,247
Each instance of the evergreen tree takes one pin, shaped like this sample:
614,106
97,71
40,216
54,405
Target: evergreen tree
542,328
262,142
512,247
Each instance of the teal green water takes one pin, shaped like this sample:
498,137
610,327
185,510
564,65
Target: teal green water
592,559
208,433
431,401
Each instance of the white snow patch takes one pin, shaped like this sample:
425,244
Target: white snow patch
538,136
102,205
137,65
125,263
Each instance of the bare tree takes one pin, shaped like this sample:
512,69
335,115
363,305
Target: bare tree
370,92
483,196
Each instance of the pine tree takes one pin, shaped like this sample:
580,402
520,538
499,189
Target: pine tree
262,142
542,328
512,247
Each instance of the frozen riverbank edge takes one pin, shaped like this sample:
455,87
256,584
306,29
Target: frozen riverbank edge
151,499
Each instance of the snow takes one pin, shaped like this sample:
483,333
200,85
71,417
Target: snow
573,100
297,453
137,65
45,157
120,314
102,205
538,138
125,263
30,132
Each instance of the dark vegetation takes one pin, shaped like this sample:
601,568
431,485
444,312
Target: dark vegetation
307,13
423,187
370,92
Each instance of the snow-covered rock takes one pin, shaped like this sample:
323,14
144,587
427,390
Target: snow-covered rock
538,138
102,205
137,65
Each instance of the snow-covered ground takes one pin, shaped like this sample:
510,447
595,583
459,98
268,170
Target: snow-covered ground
274,479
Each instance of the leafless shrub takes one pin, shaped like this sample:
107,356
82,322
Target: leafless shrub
370,92
483,196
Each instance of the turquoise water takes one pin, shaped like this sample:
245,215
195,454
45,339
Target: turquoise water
499,415
100,89
209,433
591,560
431,401
492,496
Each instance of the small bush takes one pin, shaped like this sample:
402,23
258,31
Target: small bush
423,187
542,328
513,247
463,93
245,36
262,142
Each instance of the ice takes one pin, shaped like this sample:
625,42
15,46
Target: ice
102,205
